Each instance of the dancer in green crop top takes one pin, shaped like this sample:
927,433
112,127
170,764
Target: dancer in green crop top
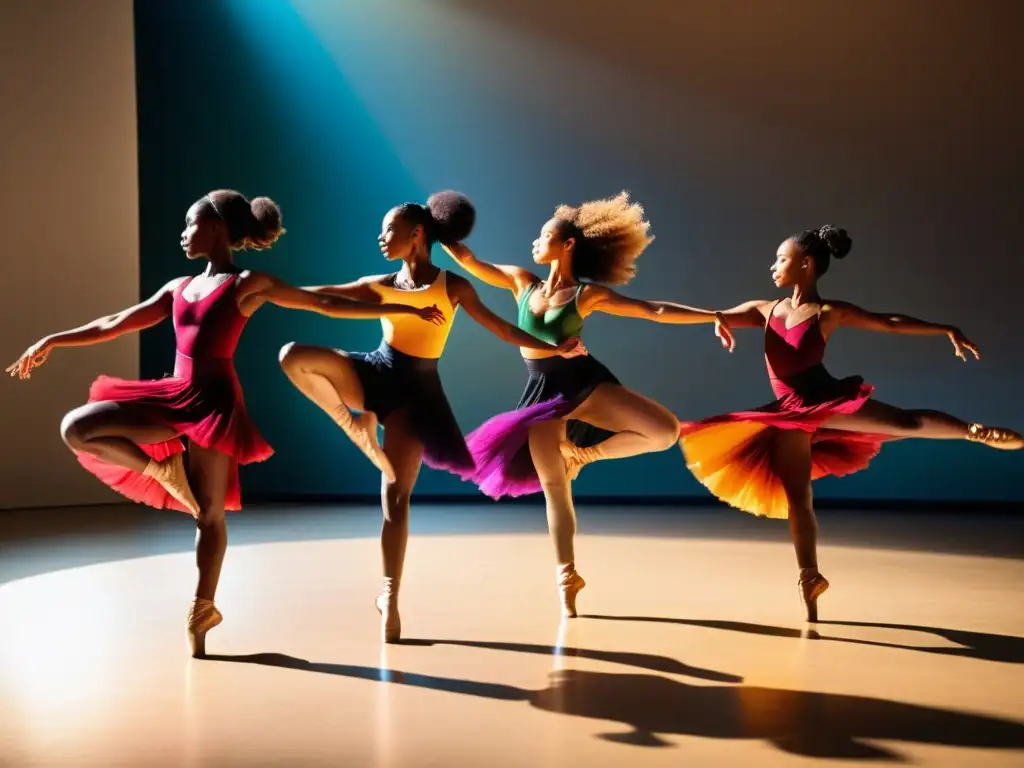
573,411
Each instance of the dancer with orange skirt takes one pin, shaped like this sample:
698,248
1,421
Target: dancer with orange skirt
763,461
573,412
129,434
397,385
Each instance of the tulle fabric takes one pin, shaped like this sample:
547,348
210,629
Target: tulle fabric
732,454
208,410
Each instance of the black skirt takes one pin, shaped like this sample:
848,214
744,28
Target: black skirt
394,382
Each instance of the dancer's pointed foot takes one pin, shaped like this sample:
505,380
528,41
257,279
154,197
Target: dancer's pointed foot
812,585
995,437
362,430
170,473
387,607
202,617
575,458
569,585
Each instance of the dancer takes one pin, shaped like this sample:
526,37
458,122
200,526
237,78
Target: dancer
573,412
764,461
397,385
129,434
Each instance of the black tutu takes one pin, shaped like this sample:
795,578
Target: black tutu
394,381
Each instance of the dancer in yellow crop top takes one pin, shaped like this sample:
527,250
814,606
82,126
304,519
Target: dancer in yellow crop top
397,385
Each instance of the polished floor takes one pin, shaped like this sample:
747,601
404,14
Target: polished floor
689,649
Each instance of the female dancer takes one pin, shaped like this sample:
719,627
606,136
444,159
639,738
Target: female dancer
398,385
763,461
129,433
573,412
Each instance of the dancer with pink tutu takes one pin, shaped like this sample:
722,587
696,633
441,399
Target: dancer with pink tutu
573,411
130,433
763,461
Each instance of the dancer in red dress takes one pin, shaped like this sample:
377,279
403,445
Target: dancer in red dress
763,461
129,434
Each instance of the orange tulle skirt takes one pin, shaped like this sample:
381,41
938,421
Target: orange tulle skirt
732,455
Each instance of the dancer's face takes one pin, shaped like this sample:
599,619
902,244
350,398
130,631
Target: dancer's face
398,239
551,245
791,266
199,238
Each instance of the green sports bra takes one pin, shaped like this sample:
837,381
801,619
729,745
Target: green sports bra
554,326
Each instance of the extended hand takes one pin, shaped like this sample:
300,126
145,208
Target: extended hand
431,314
31,358
724,332
960,343
572,348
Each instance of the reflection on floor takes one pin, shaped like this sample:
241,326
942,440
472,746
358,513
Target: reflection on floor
689,646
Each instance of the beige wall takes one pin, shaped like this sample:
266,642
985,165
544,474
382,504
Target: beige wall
69,197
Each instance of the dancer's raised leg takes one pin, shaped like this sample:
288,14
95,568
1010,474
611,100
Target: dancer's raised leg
328,378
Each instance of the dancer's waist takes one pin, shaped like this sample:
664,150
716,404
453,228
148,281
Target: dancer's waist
802,381
187,367
400,360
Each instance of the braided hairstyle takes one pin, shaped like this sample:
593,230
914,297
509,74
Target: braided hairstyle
610,235
824,244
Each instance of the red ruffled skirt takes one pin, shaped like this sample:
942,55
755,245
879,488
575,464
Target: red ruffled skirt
731,454
206,406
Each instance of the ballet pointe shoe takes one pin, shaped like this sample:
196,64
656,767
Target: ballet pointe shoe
202,617
575,458
812,585
995,437
387,606
569,585
362,430
170,473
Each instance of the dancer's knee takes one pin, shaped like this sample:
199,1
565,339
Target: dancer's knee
290,355
556,490
664,432
74,429
395,498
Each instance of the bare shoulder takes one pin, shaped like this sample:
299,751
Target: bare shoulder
836,308
386,279
173,284
457,285
252,281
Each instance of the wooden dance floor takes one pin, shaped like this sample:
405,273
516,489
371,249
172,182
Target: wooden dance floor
690,649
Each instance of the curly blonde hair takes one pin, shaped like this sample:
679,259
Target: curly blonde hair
610,236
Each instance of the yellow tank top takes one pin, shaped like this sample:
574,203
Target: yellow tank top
411,334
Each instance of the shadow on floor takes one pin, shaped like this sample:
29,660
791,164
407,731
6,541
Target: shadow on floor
973,645
650,706
646,661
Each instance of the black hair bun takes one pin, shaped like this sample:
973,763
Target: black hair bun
453,216
838,242
265,223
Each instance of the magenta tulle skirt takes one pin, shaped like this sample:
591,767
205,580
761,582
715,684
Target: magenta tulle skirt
207,409
731,454
501,445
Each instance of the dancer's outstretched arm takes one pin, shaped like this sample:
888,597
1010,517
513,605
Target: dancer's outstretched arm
462,292
598,298
135,318
510,277
261,288
840,313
